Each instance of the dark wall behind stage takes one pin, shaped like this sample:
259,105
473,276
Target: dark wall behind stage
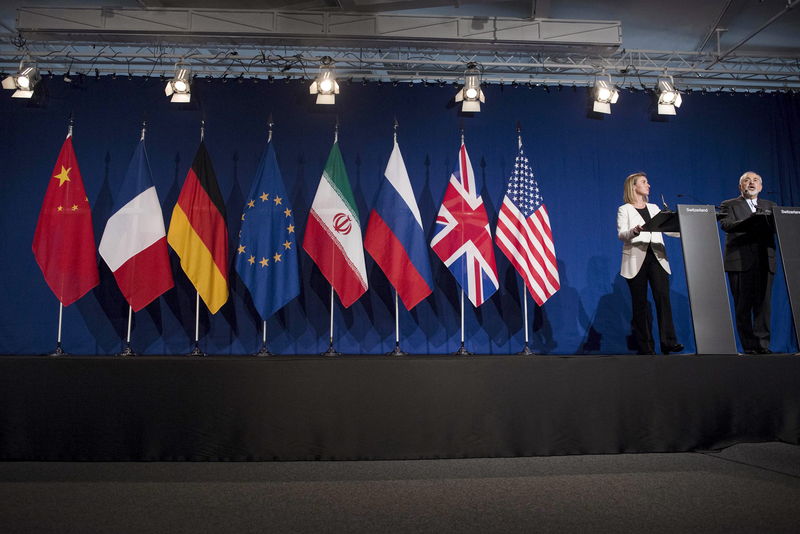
580,161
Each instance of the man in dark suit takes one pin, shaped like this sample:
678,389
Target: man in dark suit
750,263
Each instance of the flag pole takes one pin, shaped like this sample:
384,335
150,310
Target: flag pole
525,349
462,350
196,349
127,350
397,350
59,349
332,351
264,351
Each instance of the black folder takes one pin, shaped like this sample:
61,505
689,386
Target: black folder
663,221
758,222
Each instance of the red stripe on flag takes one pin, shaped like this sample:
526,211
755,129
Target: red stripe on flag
478,279
206,220
518,255
145,276
539,214
549,262
532,280
465,178
390,255
332,262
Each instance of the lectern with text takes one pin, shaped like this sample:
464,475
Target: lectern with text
705,275
787,226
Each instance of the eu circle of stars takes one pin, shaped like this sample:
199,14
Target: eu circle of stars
274,204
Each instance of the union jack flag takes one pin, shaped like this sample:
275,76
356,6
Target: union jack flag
463,240
524,234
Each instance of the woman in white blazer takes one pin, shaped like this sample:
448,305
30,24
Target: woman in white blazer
644,261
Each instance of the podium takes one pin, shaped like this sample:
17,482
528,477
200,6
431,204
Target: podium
787,226
705,275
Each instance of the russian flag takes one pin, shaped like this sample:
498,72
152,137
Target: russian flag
134,243
395,238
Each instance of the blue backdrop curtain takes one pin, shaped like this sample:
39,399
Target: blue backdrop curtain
580,161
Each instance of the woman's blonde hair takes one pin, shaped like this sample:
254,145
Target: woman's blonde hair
630,182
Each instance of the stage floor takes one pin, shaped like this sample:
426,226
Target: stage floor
377,407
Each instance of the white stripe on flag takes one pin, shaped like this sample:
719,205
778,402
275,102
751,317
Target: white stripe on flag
131,229
397,175
521,264
519,248
526,241
540,238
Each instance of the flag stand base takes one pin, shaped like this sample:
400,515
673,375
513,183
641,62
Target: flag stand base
127,351
397,351
462,351
59,351
331,351
525,351
263,351
196,350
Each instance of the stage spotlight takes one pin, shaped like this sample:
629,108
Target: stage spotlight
325,86
23,81
179,87
605,94
471,94
669,98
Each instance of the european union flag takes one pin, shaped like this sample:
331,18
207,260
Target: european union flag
266,258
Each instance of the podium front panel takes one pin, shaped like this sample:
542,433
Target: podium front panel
787,226
705,278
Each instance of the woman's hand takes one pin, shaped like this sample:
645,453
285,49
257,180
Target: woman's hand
636,230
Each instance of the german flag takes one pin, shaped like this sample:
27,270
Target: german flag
198,234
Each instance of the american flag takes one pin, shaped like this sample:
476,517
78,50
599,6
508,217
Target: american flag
463,240
524,234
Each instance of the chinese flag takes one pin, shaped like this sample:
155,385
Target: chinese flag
64,244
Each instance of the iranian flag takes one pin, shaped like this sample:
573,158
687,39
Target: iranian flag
333,232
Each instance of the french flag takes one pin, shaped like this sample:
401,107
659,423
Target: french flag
134,243
395,238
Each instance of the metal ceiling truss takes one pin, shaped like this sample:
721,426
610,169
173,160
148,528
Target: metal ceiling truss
627,68
391,48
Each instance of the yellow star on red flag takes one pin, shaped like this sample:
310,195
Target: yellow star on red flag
63,176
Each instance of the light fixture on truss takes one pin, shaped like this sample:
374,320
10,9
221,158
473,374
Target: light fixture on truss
669,98
604,94
471,94
325,86
180,87
23,81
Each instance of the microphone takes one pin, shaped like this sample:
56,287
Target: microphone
692,197
664,202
